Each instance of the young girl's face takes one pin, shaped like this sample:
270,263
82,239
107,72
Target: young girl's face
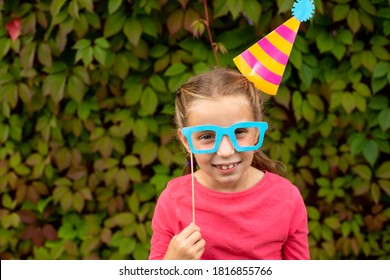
226,169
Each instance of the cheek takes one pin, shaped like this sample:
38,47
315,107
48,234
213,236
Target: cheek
203,159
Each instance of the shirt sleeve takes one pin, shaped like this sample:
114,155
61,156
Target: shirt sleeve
162,220
297,246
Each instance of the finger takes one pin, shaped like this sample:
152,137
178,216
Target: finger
186,232
199,249
200,245
194,237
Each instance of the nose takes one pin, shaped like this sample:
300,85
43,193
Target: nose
226,147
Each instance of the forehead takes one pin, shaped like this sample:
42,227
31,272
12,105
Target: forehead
222,111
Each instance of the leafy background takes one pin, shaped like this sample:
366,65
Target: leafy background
86,132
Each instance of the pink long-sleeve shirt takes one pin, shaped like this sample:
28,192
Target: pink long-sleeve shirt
267,221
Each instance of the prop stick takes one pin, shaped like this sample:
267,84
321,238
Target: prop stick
192,189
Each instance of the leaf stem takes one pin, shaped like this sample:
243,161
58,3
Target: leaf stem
209,32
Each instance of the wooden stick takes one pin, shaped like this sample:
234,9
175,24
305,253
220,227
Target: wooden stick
192,189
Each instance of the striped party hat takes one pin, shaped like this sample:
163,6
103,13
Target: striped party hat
264,62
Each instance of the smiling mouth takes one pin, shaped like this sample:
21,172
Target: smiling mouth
226,167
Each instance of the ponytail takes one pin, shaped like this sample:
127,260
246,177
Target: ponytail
262,162
187,168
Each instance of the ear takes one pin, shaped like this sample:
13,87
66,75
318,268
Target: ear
183,140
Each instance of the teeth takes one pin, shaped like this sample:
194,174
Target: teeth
226,167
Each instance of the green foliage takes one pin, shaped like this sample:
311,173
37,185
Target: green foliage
86,137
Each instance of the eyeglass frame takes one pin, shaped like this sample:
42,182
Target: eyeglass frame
221,131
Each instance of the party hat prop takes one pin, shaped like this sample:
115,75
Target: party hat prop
264,62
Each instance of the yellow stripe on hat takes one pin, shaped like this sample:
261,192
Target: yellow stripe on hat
259,82
279,42
293,24
266,60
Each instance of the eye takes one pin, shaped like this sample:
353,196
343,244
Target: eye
239,131
206,137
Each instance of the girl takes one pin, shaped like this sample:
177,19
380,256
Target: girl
244,210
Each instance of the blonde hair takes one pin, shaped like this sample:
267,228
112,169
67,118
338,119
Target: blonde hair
223,82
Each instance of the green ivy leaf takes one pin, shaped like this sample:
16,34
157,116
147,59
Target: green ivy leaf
175,21
54,85
87,4
353,20
148,153
296,58
316,102
157,83
4,133
325,42
134,174
284,5
122,180
113,6
339,50
140,130
348,102
5,45
76,88
124,218
383,171
381,69
375,192
10,94
133,94
149,26
364,172
378,84
175,69
133,30
105,146
100,55
44,54
158,51
308,112
27,55
149,100
56,6
102,43
161,63
358,143
380,52
73,9
252,9
297,105
85,54
82,44
371,151
384,12
384,119
340,12
332,222
345,36
313,213
369,60
114,24
130,160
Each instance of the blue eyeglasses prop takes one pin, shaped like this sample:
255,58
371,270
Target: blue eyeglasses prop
245,136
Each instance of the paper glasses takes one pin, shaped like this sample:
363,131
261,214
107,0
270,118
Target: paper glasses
245,136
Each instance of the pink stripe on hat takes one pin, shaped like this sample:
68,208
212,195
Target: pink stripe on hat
286,33
260,69
273,51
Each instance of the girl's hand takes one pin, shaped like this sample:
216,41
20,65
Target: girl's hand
187,245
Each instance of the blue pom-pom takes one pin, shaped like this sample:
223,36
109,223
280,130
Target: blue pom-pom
303,10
